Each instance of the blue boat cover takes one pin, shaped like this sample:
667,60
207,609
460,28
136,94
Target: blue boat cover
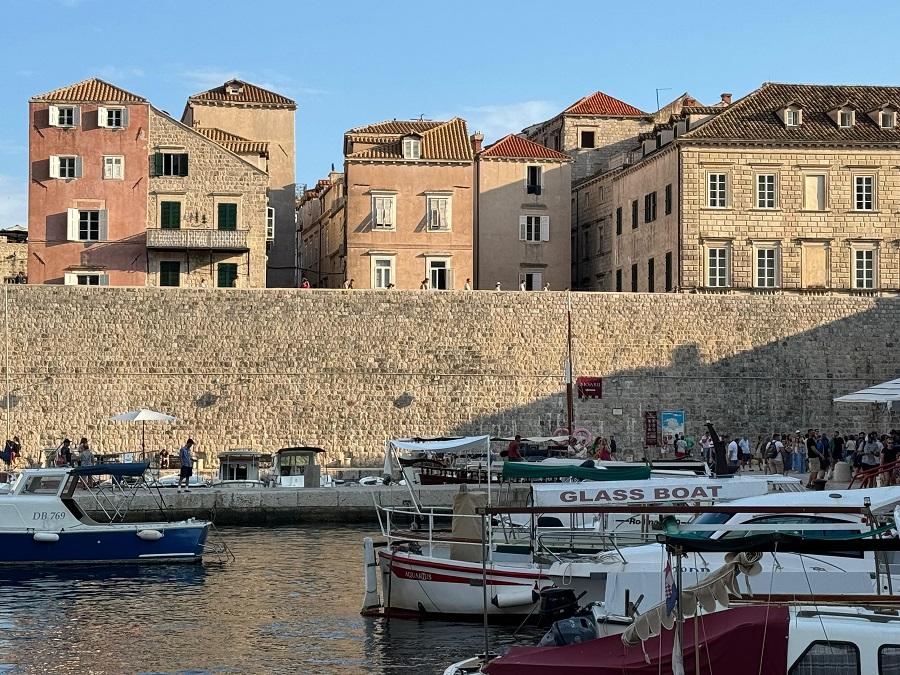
112,469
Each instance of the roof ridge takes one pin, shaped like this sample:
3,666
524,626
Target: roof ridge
214,93
497,149
625,109
86,82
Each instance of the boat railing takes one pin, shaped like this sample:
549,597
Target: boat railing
422,528
590,541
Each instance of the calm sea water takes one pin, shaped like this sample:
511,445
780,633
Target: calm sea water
288,604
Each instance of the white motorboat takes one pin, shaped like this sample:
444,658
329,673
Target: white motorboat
433,577
40,522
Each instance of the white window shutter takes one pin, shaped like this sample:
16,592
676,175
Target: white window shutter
104,225
79,167
70,279
389,210
545,228
104,278
101,117
449,213
124,117
72,224
76,116
523,225
54,166
54,116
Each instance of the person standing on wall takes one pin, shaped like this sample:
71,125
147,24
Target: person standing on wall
187,465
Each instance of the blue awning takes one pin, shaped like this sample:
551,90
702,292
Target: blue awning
117,470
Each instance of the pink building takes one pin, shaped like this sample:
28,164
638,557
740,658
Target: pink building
87,197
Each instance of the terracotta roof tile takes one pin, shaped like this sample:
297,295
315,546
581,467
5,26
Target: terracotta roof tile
396,127
236,144
440,140
90,91
516,147
599,103
248,93
754,117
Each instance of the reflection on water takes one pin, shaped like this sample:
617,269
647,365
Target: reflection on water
289,604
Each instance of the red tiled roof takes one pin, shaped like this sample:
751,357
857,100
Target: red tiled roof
249,93
599,103
91,90
233,142
440,140
516,147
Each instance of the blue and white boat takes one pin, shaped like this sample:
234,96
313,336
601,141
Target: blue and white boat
40,521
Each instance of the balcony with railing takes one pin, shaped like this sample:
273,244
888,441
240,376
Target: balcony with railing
222,240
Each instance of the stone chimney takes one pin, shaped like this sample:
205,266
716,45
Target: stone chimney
726,99
477,139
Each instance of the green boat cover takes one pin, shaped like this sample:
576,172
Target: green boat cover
785,541
537,471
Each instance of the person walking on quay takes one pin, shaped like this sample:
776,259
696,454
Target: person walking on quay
889,456
424,285
771,455
734,454
813,457
707,445
837,447
681,448
871,451
744,447
497,287
64,453
522,285
304,284
349,284
468,285
187,465
612,445
512,450
11,452
85,456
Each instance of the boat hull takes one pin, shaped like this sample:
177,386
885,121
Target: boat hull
98,544
419,586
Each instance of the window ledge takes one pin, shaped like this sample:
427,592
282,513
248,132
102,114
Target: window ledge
863,211
716,208
774,209
815,210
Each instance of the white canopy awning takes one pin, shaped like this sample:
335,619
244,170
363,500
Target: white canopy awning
886,392
467,445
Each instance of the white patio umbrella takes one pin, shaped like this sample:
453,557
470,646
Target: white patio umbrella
886,392
143,415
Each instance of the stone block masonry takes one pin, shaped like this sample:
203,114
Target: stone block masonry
346,370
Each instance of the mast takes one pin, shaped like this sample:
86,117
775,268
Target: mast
570,403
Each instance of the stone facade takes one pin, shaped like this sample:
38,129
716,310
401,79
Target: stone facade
214,176
382,365
13,258
613,252
254,113
320,232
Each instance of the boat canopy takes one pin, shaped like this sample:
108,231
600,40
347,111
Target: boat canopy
538,470
625,491
823,541
467,445
886,392
536,440
112,469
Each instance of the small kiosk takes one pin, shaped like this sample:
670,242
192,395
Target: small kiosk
239,468
298,467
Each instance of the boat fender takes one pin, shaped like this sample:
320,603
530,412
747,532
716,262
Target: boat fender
514,597
47,537
149,535
370,575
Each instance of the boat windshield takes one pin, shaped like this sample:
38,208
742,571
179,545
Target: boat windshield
711,518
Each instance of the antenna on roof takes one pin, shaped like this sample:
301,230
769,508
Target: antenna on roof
659,89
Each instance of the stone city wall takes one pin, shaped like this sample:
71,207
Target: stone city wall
347,370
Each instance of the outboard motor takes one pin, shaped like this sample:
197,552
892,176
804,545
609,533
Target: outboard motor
557,603
569,632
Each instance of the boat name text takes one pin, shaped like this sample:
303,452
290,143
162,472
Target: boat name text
49,515
641,494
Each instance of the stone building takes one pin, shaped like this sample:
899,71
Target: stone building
258,125
320,231
409,205
206,222
591,131
792,188
522,215
121,194
14,254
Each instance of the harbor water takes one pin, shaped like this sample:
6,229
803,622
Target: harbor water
289,603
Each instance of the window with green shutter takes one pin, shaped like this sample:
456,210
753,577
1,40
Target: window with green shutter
227,217
169,273
170,215
227,275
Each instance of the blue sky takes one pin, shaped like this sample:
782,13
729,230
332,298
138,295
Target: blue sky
499,64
